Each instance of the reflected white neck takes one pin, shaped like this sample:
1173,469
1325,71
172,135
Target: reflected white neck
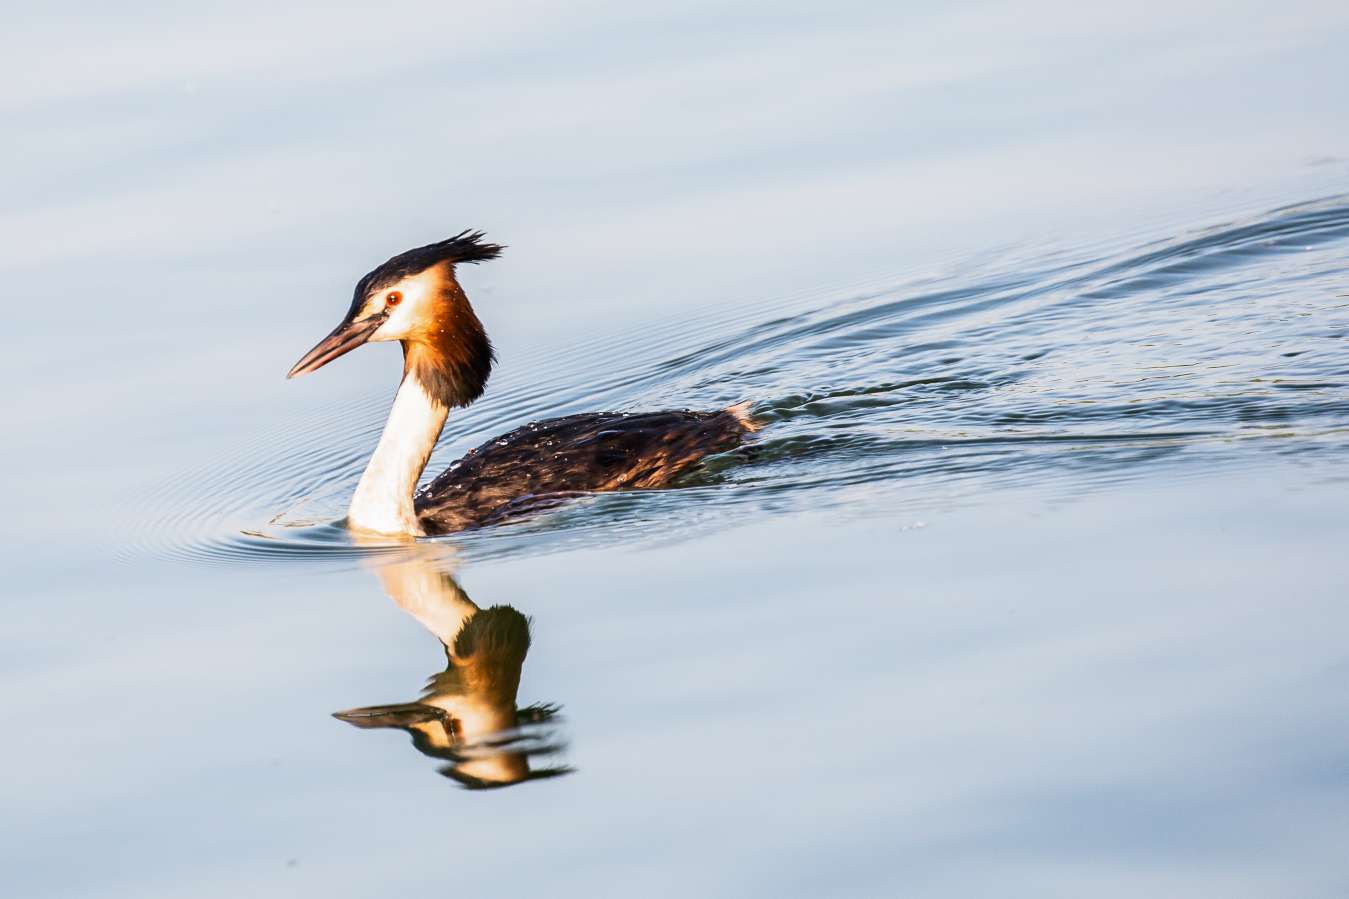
383,498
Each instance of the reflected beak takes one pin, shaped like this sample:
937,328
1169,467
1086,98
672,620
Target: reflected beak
402,715
345,338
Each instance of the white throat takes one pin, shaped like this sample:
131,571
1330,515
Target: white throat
383,498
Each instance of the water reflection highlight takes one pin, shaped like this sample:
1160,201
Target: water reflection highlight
467,715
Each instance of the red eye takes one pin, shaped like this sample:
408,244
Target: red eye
393,299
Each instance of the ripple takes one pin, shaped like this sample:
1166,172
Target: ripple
1064,367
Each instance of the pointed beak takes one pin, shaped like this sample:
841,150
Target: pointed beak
345,338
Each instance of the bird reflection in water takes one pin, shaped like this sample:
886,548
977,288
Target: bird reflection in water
467,716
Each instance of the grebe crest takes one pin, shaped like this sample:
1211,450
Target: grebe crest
416,299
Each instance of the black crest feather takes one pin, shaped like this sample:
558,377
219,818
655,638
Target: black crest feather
466,246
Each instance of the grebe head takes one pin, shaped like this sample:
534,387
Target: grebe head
415,298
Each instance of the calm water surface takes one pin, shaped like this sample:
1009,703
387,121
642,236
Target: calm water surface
1034,583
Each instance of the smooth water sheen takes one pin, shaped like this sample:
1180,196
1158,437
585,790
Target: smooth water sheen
1034,582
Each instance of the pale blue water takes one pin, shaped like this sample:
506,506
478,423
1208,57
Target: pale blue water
1034,583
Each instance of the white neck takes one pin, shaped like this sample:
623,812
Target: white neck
383,498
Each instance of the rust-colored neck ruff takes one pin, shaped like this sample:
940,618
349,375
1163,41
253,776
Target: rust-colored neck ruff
450,354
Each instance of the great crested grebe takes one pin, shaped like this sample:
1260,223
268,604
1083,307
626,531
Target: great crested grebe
415,298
